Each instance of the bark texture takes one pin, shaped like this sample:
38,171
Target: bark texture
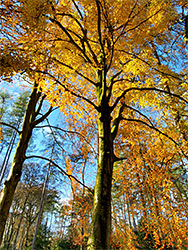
101,217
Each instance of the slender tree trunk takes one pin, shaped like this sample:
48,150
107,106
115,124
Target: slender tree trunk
9,232
22,239
19,224
40,208
101,217
26,239
128,211
7,155
19,157
8,226
10,238
82,216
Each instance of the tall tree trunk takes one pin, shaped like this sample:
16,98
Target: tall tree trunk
101,217
19,157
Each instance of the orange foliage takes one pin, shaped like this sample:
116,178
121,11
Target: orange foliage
152,194
133,45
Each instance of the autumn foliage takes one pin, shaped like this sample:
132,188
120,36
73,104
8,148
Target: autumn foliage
117,70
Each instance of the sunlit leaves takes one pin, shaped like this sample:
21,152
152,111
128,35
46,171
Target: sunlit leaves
127,58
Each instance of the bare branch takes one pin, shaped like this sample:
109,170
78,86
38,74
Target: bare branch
140,113
76,6
41,119
145,20
53,20
68,131
76,71
110,84
99,27
10,126
115,158
63,172
83,39
40,105
147,63
123,26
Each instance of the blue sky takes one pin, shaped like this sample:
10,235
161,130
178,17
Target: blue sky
38,147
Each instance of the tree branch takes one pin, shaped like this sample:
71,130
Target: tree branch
115,158
53,20
53,134
145,20
144,61
70,91
10,126
116,122
76,71
152,127
40,105
67,131
140,113
50,110
63,172
123,26
76,6
110,84
99,27
82,39
145,89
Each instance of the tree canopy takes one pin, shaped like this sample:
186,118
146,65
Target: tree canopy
117,70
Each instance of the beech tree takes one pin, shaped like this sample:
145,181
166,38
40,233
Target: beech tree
114,63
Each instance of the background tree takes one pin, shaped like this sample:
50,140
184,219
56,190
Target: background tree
20,227
13,118
29,122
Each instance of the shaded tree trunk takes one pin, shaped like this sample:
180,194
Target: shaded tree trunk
9,234
101,217
40,208
22,239
19,224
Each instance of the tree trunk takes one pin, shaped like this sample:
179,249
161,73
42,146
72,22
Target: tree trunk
19,157
9,233
101,217
40,208
19,224
22,239
7,155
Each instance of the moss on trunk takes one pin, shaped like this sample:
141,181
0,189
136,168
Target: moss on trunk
101,217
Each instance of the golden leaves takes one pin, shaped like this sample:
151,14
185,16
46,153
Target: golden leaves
33,12
147,179
126,42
